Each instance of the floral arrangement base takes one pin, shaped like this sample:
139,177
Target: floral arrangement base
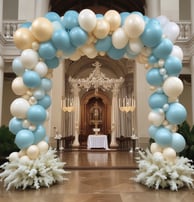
44,171
156,172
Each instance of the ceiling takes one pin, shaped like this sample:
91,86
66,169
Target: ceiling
98,6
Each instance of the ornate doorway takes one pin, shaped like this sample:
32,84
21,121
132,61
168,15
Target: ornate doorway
95,113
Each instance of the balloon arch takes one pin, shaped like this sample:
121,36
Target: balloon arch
51,38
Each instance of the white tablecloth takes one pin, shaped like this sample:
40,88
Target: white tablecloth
97,141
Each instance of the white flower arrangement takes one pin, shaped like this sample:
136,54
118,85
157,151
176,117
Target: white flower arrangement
156,172
46,170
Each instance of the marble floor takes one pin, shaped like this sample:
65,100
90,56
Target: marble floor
99,183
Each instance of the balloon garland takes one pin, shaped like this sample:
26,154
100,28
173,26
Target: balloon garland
51,38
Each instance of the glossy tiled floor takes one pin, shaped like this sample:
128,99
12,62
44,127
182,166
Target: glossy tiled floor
97,185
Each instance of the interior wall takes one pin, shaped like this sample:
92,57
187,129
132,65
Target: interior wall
10,11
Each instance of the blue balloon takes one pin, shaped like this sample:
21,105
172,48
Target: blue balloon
173,66
115,53
52,63
46,84
15,125
104,44
45,101
61,40
152,34
36,114
163,49
124,15
78,36
26,25
24,138
47,50
31,79
99,16
157,100
152,59
163,137
154,77
152,131
70,19
178,142
18,67
52,16
176,113
39,134
39,93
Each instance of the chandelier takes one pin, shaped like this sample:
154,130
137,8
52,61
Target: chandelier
67,104
96,80
127,104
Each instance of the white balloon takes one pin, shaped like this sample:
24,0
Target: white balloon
173,86
89,50
87,20
43,147
18,86
177,52
169,154
24,159
163,20
155,148
156,118
19,108
41,68
119,38
29,58
136,45
33,152
171,30
13,156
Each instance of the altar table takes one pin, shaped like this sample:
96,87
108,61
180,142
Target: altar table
97,141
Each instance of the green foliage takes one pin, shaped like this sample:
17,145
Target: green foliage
188,133
7,144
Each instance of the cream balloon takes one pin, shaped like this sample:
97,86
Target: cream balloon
87,20
89,51
29,58
13,156
155,148
41,68
173,86
156,118
102,29
43,147
113,18
33,152
177,52
24,159
19,108
42,29
134,25
169,154
136,45
18,86
119,38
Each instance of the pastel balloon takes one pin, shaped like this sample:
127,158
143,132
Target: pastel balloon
173,86
47,50
45,101
163,49
119,38
39,93
43,147
156,117
104,44
15,125
116,53
178,142
136,45
163,20
176,113
152,34
70,19
177,52
23,38
78,36
41,68
152,131
157,100
124,15
102,29
18,86
24,138
89,50
46,84
52,63
169,154
154,77
13,156
29,58
155,148
36,114
42,29
19,108
39,134
134,25
17,66
31,79
87,20
163,137
173,66
32,152
171,30
52,16
113,18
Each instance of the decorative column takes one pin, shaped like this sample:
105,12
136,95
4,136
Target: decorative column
1,86
192,86
153,8
76,119
1,15
114,116
192,17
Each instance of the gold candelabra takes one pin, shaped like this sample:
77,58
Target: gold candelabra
67,104
127,104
